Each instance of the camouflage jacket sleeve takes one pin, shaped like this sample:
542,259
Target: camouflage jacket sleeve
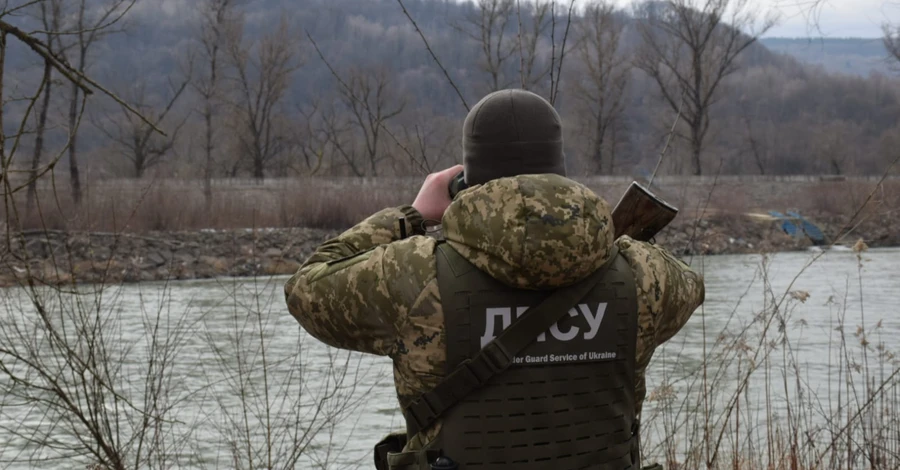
668,292
352,292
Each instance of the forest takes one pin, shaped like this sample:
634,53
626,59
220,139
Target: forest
264,89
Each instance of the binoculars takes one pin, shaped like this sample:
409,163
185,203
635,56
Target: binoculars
457,184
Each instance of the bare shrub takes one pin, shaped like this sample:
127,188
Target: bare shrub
748,403
79,385
273,406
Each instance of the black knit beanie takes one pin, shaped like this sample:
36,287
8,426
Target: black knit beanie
509,133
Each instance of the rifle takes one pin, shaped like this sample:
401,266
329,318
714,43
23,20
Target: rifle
639,214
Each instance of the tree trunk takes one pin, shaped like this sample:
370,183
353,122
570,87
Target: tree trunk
761,167
835,166
39,136
598,155
2,73
696,161
207,170
598,144
612,150
696,145
701,110
208,116
258,168
139,164
74,177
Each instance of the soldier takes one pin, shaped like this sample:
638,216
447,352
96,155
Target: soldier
564,391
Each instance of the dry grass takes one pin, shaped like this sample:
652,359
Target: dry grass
337,203
750,403
138,206
715,413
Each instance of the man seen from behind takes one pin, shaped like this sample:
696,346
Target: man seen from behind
521,236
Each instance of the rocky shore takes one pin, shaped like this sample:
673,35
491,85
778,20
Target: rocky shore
58,257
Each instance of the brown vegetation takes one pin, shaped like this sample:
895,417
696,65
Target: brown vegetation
338,203
750,403
79,383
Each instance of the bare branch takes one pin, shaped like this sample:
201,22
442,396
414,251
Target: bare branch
487,28
362,103
688,50
554,87
433,56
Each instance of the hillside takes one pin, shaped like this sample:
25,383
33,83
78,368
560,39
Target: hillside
774,115
853,56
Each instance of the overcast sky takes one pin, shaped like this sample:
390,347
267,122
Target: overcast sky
836,18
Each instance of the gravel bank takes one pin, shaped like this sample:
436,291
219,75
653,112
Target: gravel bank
56,257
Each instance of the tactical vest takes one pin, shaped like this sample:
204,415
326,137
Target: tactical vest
567,401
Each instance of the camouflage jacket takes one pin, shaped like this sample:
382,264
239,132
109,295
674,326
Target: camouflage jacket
369,290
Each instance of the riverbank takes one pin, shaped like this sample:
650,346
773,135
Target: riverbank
56,257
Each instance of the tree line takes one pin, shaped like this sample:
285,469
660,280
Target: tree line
269,88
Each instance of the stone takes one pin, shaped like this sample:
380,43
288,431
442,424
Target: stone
154,258
274,253
214,264
100,253
185,259
280,267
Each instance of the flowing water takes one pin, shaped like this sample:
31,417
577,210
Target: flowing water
331,407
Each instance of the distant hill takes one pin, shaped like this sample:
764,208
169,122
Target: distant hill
793,106
852,56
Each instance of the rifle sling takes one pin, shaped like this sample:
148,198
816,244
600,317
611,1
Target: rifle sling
497,355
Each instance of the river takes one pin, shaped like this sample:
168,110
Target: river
328,408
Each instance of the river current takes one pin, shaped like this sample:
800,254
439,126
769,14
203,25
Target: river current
326,408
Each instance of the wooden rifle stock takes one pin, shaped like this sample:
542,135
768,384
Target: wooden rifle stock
640,214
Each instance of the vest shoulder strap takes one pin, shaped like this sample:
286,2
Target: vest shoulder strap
497,355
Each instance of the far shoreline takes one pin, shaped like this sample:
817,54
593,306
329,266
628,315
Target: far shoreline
61,257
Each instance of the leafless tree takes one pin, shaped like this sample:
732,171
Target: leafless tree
82,384
372,104
91,24
488,26
529,35
69,373
891,40
269,415
756,139
64,386
832,145
435,144
311,143
217,17
262,74
689,47
602,88
556,62
138,141
333,136
50,16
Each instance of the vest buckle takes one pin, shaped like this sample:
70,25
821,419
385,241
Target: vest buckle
492,360
497,358
422,412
